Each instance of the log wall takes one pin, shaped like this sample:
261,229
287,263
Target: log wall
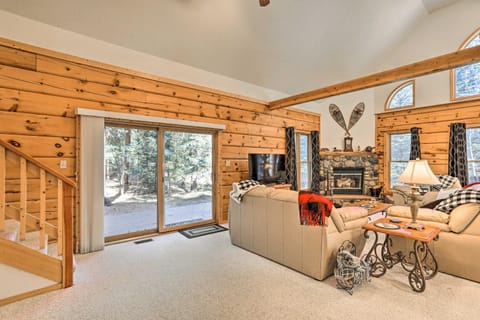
41,89
433,122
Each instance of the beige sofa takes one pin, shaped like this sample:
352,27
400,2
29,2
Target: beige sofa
267,223
458,246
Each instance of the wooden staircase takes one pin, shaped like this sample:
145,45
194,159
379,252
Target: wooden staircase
36,213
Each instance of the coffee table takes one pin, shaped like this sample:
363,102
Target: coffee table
420,262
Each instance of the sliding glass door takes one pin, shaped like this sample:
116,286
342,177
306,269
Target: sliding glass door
131,175
136,158
187,178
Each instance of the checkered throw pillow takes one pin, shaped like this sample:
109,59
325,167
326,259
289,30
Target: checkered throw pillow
458,198
247,184
446,181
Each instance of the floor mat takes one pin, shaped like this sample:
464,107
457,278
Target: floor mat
202,230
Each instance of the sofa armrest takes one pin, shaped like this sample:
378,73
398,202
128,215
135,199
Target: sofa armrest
348,218
462,216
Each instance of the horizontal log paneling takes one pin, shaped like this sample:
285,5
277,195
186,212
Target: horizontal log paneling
17,58
32,124
433,122
117,79
243,140
12,189
38,146
45,95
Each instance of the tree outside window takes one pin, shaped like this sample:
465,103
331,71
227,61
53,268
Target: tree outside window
402,96
467,78
473,154
399,155
304,160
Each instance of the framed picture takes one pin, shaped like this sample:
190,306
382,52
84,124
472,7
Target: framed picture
347,146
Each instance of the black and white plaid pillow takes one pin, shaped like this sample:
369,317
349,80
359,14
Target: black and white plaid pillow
247,184
458,198
446,181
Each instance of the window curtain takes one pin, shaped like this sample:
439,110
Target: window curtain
315,141
457,152
415,144
91,183
291,159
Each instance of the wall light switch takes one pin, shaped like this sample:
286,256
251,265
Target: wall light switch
227,163
63,164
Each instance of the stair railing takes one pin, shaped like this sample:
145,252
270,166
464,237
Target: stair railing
65,206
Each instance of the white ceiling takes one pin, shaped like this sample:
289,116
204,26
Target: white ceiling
290,46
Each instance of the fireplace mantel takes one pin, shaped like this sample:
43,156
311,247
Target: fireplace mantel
345,153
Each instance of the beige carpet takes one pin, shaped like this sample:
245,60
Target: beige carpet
207,278
14,281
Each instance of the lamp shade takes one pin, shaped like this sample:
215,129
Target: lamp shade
418,172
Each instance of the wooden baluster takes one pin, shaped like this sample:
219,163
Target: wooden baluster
2,187
43,207
23,198
68,206
60,217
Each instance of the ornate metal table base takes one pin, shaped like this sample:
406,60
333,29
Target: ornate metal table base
420,262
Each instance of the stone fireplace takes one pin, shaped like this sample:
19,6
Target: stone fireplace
339,161
347,180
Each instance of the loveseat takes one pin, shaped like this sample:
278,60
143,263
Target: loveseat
457,249
267,223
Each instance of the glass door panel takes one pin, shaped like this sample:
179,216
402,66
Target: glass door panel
131,157
187,178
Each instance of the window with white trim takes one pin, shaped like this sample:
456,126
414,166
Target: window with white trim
473,154
402,96
399,155
466,79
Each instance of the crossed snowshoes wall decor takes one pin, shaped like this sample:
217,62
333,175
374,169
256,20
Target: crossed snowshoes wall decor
337,115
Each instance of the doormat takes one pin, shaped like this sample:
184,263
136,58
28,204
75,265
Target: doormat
201,231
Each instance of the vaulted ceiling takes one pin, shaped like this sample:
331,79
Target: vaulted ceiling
289,46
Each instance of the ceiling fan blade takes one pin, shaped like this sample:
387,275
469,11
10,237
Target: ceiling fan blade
263,3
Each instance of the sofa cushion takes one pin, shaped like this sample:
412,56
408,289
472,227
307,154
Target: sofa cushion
462,216
352,213
458,198
424,214
260,192
284,195
431,205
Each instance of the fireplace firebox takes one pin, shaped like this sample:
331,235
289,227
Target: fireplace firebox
347,180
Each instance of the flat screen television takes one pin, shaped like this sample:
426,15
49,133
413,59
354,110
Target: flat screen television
266,168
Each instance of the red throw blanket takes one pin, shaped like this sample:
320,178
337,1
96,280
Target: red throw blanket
314,208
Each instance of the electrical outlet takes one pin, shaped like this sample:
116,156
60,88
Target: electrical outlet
63,164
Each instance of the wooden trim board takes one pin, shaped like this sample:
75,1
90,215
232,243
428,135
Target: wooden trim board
421,68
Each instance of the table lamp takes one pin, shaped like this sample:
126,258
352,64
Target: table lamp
417,172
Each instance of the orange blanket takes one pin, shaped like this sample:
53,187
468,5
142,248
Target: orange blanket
314,208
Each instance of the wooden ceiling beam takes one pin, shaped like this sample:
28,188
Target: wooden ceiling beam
441,63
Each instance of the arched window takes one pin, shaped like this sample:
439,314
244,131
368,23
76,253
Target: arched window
466,79
402,96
